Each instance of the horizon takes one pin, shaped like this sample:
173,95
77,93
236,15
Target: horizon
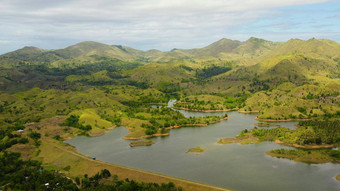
163,25
177,48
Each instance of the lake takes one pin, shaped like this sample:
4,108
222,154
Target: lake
234,166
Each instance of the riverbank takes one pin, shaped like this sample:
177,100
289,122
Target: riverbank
307,156
240,140
248,112
261,124
325,146
205,111
141,143
171,158
281,120
57,155
246,137
146,136
143,136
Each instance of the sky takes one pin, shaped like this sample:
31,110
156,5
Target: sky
162,24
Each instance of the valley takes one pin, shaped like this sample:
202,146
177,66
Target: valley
125,109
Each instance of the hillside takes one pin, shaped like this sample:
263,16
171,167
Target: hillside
89,51
225,68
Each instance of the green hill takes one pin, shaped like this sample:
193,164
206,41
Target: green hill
225,68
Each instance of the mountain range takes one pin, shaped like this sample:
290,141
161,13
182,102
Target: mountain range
253,48
271,63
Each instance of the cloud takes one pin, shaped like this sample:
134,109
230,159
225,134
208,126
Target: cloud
142,24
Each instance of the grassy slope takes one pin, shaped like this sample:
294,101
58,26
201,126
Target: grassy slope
37,103
283,103
207,103
157,74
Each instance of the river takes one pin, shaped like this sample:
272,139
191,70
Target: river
234,166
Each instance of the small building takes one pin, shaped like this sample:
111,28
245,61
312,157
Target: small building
20,131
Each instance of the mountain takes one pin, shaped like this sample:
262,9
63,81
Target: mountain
254,65
81,53
225,49
295,61
255,47
213,50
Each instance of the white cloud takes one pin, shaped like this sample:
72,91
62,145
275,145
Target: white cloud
154,23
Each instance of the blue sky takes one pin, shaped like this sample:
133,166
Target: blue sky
162,24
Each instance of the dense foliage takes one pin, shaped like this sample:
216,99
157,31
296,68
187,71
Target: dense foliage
312,132
16,174
210,71
210,102
73,121
93,183
308,155
324,131
10,137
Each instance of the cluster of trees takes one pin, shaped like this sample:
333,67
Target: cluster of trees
131,185
115,119
35,136
334,154
258,85
164,117
150,98
201,106
311,132
150,129
168,87
210,71
8,138
16,174
324,131
73,121
196,104
93,183
86,68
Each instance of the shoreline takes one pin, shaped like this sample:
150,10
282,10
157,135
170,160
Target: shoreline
205,110
103,132
52,153
303,158
125,171
172,127
311,147
249,112
250,139
146,136
281,120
